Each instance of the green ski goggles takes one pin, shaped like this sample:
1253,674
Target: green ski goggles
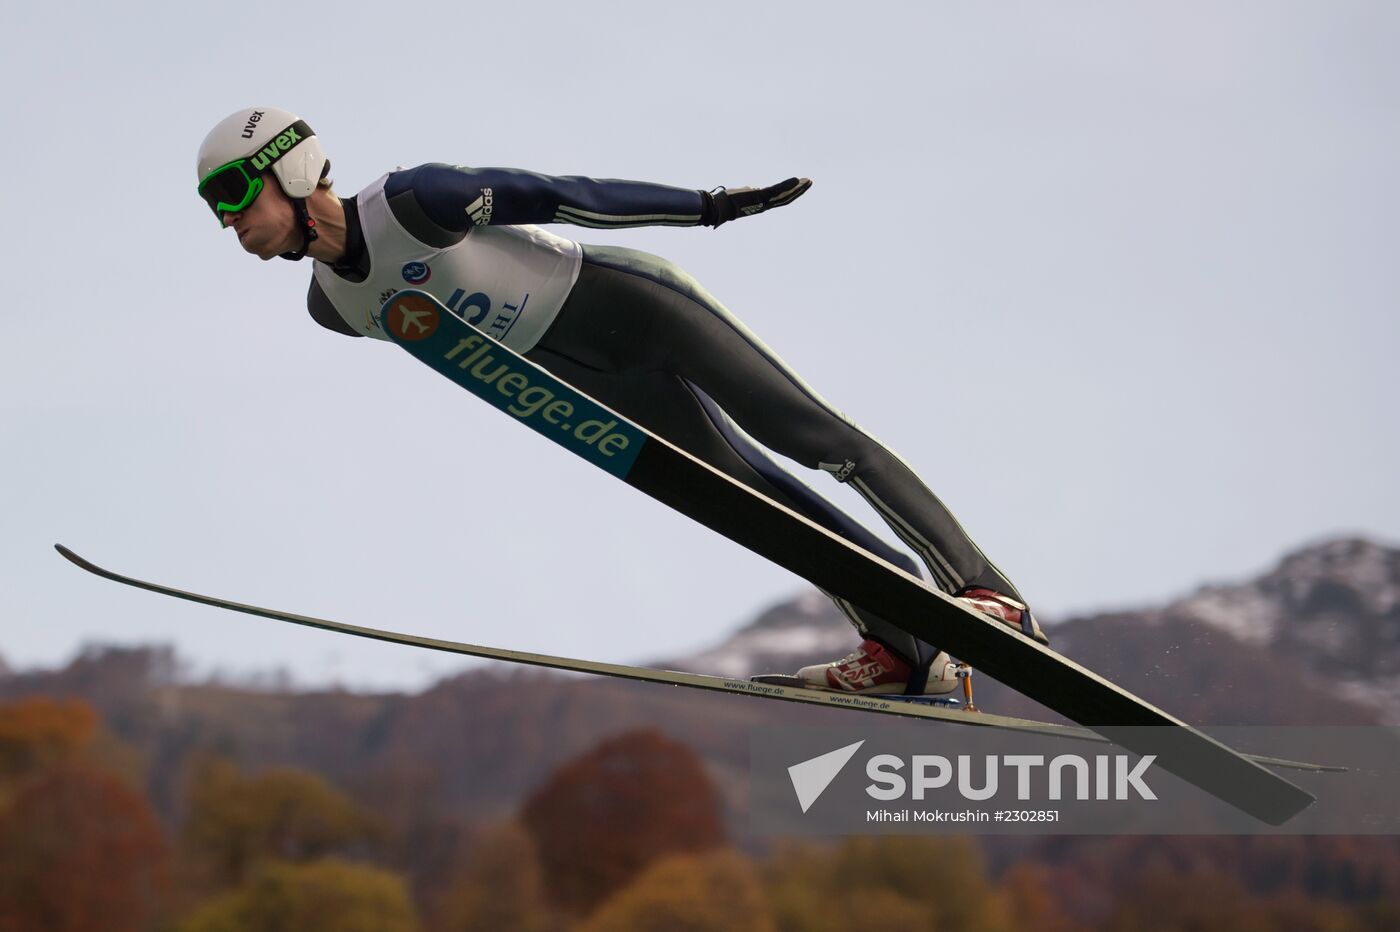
234,185
230,188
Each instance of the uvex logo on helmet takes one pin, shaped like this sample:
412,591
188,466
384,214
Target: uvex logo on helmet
277,148
252,124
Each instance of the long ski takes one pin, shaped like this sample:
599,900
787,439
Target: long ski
737,686
454,348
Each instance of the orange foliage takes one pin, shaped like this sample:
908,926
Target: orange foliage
1031,900
236,821
1162,901
39,731
327,896
603,817
501,887
1091,876
80,852
912,883
714,892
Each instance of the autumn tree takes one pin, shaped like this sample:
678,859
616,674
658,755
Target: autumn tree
80,851
717,891
501,886
38,732
236,821
1090,876
911,882
1031,900
326,896
606,815
1161,900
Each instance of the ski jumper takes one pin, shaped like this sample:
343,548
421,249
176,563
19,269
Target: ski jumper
641,336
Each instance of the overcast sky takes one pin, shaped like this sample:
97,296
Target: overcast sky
1118,279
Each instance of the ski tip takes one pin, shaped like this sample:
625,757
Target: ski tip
72,557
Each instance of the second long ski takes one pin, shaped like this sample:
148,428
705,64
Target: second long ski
454,348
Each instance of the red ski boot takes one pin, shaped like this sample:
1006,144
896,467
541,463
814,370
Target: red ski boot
1004,609
875,670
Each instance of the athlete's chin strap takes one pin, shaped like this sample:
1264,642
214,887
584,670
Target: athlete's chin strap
308,230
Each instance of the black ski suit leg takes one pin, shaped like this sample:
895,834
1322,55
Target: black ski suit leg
683,414
632,312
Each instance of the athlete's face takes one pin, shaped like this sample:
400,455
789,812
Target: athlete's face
267,227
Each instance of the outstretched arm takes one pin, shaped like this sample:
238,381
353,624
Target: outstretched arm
458,198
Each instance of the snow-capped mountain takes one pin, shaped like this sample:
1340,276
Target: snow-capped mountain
1333,608
1322,626
803,630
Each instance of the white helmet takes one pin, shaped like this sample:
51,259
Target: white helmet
244,146
266,137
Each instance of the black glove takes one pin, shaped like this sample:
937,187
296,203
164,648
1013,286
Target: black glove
726,204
